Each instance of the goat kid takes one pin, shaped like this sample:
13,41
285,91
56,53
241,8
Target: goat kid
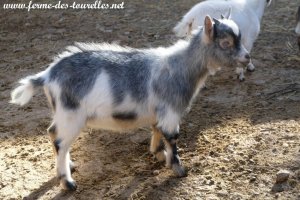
115,88
246,13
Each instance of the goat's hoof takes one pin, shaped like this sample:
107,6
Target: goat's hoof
179,170
68,185
72,167
241,79
250,69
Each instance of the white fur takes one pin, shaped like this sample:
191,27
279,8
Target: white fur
22,94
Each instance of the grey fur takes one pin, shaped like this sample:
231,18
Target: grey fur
37,82
177,84
129,72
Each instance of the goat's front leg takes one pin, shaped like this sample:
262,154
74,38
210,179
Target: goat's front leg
172,157
168,126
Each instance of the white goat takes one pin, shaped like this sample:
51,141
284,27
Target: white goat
246,13
115,88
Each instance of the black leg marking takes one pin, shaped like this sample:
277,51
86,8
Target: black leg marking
175,158
171,137
56,145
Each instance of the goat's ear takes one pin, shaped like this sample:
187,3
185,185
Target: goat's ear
190,27
208,27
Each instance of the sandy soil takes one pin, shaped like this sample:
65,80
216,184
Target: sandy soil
233,142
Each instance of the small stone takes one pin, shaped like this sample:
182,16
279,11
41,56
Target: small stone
252,179
282,176
285,145
155,172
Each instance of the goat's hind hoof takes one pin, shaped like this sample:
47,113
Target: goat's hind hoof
250,69
68,185
179,170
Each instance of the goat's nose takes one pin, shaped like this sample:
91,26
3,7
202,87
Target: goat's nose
247,56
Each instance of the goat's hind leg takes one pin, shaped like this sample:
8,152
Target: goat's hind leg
157,147
52,131
68,128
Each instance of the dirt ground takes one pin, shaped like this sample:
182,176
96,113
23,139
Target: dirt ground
235,139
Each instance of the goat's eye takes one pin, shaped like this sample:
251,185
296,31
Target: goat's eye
225,44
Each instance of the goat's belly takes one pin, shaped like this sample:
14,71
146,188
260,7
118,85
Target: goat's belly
119,124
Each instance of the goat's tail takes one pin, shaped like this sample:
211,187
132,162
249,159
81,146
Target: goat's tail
22,94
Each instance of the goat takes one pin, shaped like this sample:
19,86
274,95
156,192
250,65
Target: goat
246,13
118,88
297,29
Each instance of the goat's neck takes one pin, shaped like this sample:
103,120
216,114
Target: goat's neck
195,66
259,7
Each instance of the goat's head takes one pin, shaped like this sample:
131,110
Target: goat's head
223,38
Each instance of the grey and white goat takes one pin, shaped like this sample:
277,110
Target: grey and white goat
246,13
115,88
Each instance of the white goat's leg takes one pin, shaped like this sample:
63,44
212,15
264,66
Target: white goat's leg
68,128
157,146
240,73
